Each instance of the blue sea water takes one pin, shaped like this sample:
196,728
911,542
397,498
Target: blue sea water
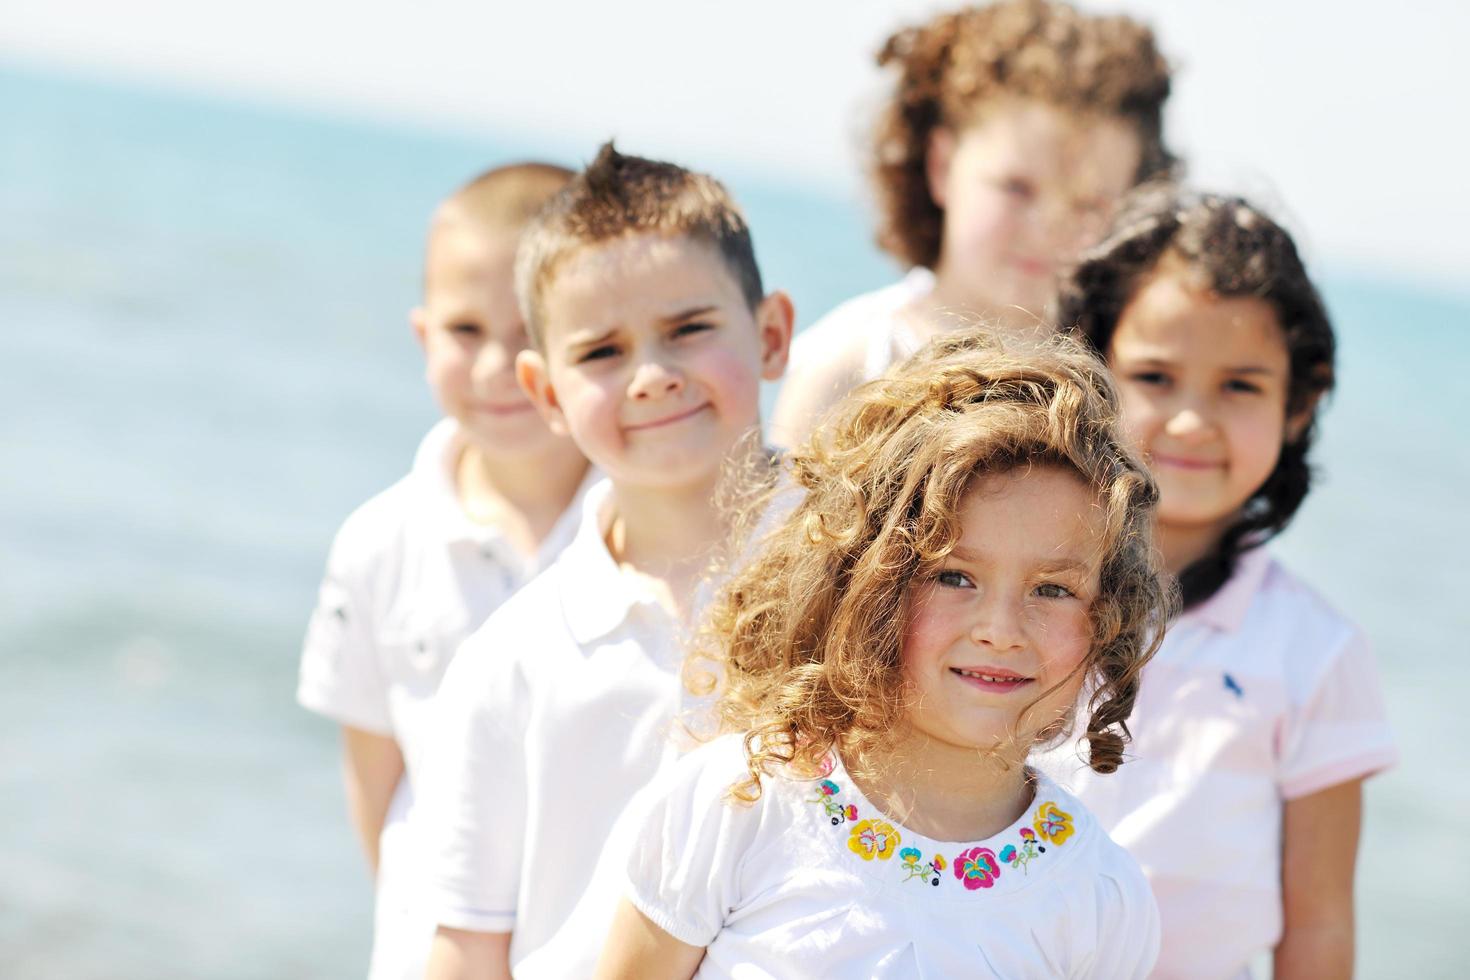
205,364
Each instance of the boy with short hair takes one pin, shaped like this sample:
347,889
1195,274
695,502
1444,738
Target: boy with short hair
651,336
418,567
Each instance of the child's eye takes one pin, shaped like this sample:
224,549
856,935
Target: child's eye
1239,385
1051,590
466,330
1018,187
951,579
693,327
1158,378
601,353
1090,207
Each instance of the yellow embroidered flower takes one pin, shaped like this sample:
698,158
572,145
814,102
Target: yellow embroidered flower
1052,823
873,838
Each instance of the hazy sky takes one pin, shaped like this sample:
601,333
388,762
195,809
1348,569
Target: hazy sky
1338,115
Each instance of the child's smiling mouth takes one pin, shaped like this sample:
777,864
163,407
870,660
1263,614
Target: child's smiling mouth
666,420
994,679
1186,462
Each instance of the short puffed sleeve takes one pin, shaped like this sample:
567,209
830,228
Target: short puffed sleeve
1337,728
685,867
341,675
1127,941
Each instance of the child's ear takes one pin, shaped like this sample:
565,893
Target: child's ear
775,318
418,319
937,161
535,381
1297,422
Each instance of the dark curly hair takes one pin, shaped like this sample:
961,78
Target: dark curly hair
952,66
1235,250
807,635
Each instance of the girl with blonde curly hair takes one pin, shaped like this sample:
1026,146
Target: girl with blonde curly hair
1010,131
968,575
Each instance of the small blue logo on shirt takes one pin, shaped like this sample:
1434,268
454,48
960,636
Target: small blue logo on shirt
1233,687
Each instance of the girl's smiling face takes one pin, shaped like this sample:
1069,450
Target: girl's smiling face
995,635
1023,190
1203,381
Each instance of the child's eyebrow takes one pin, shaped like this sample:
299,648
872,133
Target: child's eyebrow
1065,565
1061,564
688,314
590,339
1251,369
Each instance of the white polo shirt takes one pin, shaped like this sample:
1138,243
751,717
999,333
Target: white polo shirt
408,578
553,717
870,322
1261,694
813,880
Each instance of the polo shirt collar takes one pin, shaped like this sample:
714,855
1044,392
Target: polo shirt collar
433,476
596,596
1226,609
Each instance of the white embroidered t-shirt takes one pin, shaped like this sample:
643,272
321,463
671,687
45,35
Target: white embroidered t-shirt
1259,695
408,578
552,718
812,880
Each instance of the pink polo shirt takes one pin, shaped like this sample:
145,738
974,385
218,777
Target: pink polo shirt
1262,694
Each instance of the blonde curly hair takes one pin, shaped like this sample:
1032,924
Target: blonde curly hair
951,67
805,638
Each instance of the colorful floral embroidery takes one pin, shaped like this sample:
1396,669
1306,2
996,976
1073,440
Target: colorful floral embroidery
873,838
977,867
922,870
1019,857
827,789
1052,823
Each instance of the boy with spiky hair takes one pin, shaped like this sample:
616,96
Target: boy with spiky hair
651,336
418,567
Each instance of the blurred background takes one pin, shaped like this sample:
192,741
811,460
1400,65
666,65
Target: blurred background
211,221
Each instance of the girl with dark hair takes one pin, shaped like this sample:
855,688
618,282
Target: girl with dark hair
1261,715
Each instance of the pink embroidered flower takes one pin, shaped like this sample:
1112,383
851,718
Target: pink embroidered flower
977,868
873,838
1027,833
827,788
850,812
1053,823
939,863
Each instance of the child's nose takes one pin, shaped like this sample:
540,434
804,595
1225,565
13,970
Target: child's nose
1190,421
1060,230
655,379
493,359
997,625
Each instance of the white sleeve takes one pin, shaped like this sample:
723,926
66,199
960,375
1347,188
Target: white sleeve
684,870
341,676
470,820
1127,941
1340,731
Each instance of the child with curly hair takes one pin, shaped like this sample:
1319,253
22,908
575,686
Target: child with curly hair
1261,716
1010,133
973,552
